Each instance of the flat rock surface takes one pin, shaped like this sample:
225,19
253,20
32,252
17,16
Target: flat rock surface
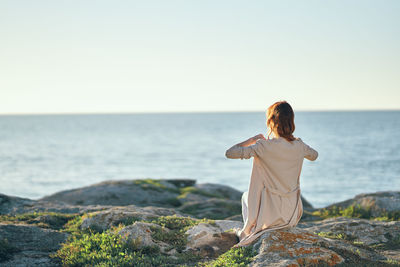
33,244
102,220
363,231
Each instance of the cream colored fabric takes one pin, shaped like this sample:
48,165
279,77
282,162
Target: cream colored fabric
273,197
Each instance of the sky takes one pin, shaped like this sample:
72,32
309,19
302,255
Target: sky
190,56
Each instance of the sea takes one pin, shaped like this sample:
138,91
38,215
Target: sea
359,151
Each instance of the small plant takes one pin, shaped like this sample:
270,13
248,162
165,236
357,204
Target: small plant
235,257
356,211
108,248
353,211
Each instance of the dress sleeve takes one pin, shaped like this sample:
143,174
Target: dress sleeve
309,152
245,152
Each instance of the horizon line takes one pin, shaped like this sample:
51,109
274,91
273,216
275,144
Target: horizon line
181,112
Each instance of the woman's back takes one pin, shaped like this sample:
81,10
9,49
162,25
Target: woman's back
283,161
273,199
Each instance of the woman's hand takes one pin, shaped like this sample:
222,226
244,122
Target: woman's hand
258,136
252,140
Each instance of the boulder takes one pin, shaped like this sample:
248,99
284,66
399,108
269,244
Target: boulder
292,247
220,191
211,240
306,205
9,203
119,193
178,183
139,233
32,245
213,208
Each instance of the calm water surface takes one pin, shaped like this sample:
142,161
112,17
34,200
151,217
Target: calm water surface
41,154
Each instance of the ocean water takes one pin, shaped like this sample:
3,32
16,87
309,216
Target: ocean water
41,154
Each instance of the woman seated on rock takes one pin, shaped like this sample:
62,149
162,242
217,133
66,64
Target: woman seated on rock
273,197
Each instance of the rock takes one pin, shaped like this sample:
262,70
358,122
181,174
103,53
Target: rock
32,244
102,220
379,203
210,240
179,183
139,233
226,225
8,203
306,205
363,231
119,193
213,208
220,191
292,247
238,218
15,205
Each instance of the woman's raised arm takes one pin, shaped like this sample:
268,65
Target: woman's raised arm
245,149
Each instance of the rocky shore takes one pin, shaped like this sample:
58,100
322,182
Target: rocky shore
177,222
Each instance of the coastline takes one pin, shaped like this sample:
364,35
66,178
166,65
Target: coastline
191,224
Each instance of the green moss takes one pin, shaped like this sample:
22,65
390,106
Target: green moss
191,189
50,220
6,250
179,223
234,257
154,184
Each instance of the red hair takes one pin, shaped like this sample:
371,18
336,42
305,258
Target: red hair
280,118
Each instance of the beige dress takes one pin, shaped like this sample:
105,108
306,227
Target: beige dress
273,198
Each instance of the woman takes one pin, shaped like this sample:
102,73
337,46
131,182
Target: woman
273,198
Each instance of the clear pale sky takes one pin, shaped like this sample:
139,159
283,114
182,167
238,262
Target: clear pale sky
209,55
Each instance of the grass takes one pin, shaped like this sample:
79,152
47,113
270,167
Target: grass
177,226
90,248
235,257
105,249
331,235
355,211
